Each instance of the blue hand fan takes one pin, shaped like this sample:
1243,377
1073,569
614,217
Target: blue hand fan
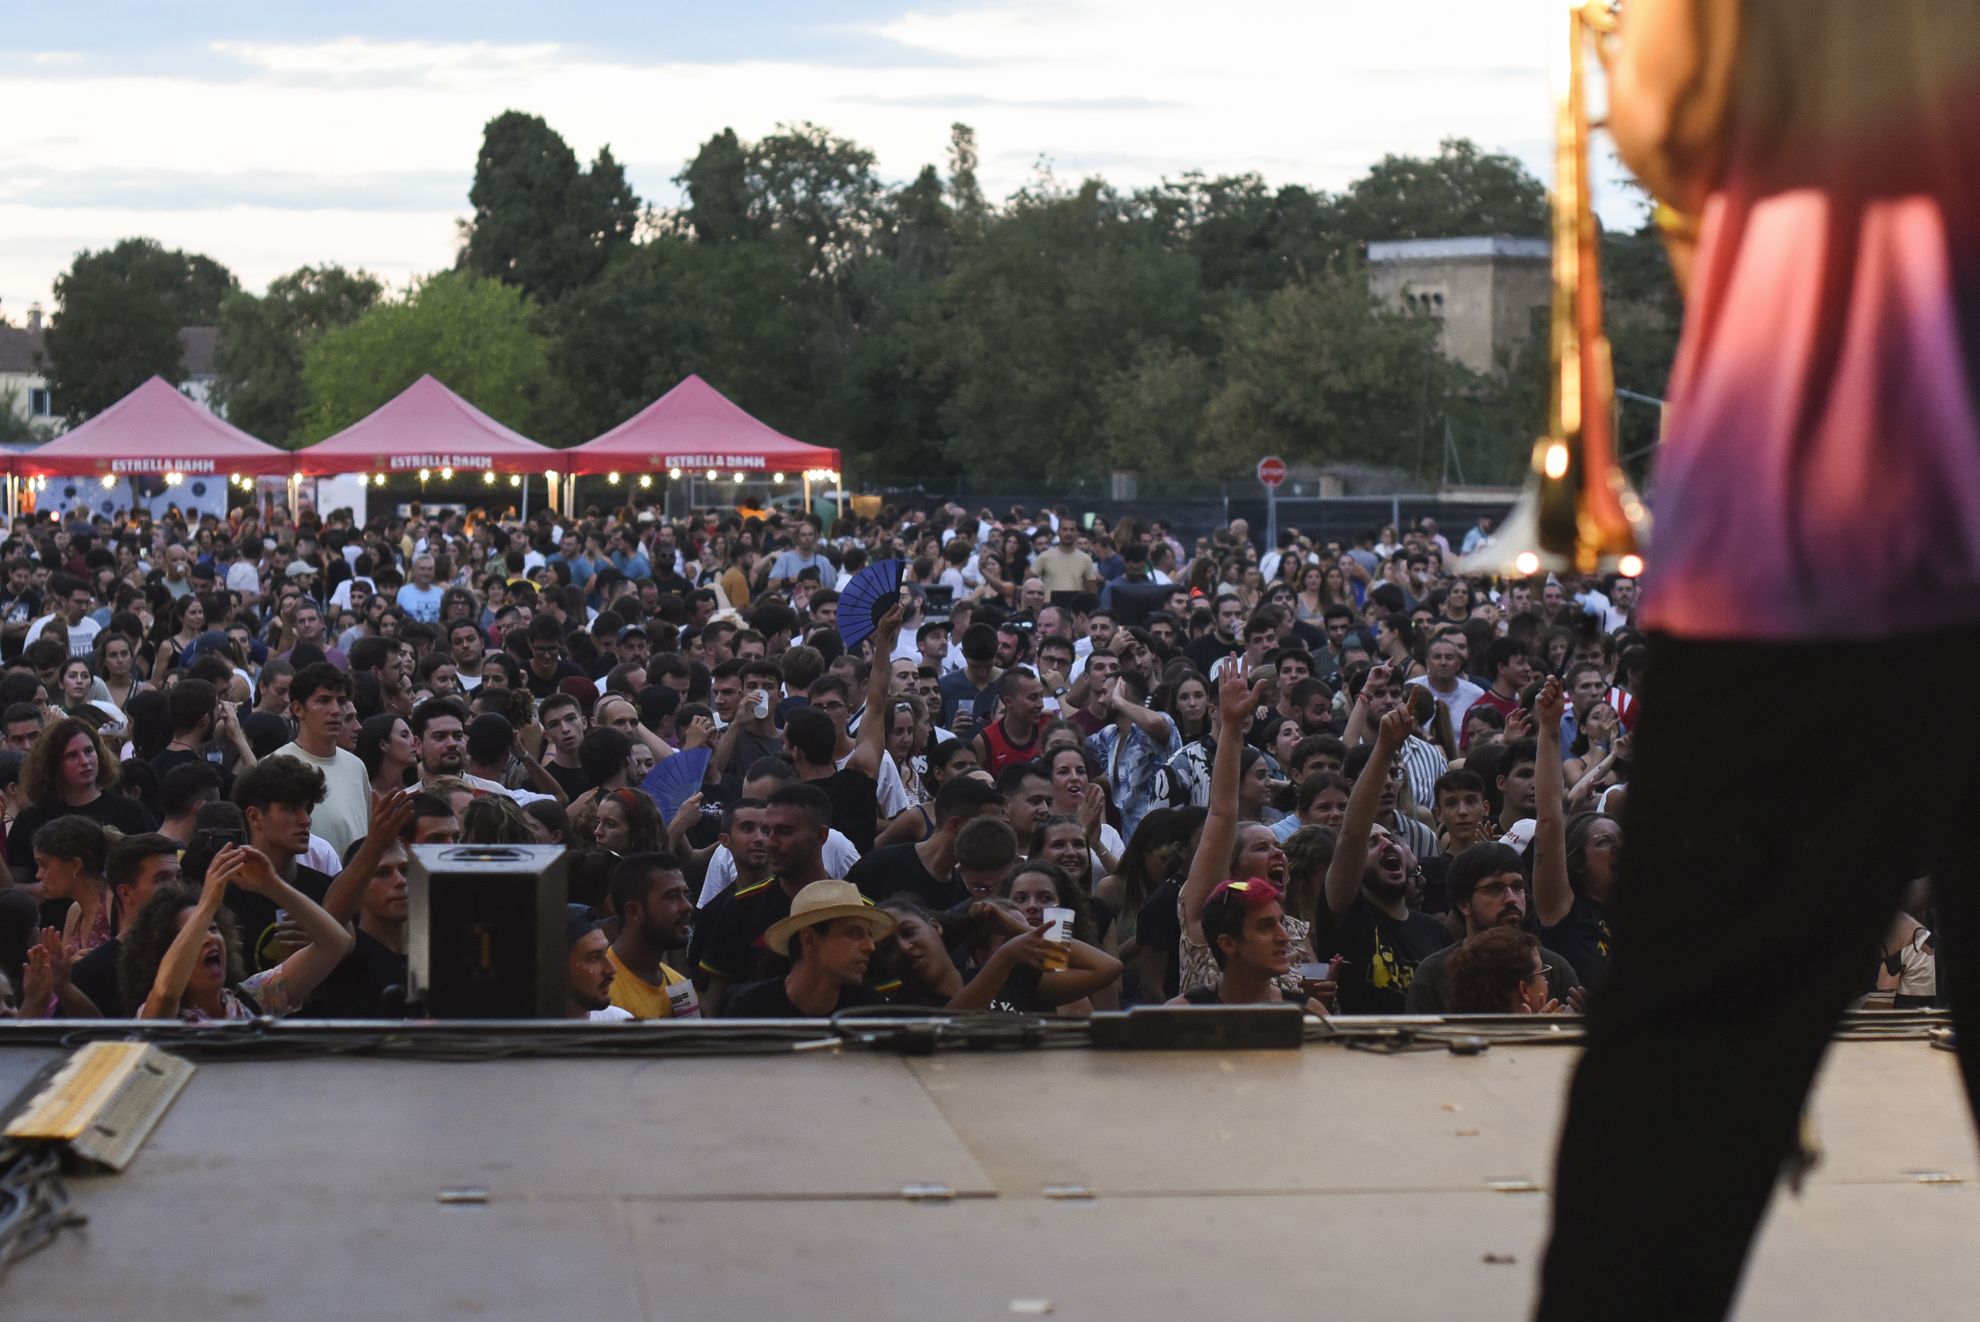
672,780
866,598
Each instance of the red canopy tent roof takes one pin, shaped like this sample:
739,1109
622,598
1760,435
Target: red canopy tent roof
426,425
153,430
694,425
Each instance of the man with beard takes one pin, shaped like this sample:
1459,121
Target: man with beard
1365,917
656,915
439,727
1487,890
588,974
728,943
828,935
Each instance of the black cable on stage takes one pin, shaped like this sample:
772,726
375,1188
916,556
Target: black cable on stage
34,1203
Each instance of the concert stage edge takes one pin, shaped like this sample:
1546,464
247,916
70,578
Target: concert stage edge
1385,1168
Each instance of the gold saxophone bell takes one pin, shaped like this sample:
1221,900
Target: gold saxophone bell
1577,512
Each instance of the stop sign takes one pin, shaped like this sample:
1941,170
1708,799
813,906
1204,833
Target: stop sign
1271,470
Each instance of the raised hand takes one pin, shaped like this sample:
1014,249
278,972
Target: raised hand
1237,696
1548,703
1396,727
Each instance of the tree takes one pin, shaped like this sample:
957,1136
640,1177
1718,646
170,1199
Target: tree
734,313
259,358
1061,294
1459,191
478,336
716,183
119,319
121,312
964,193
540,223
1322,373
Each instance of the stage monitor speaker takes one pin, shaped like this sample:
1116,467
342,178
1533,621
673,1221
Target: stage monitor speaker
485,932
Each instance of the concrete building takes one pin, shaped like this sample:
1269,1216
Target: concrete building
1484,290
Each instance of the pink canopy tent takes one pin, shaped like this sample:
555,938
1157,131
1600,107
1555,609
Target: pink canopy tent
426,426
696,426
151,431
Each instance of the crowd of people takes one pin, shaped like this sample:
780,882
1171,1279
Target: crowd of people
1076,766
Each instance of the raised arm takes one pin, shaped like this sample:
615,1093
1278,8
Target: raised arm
329,940
168,985
1236,699
1552,895
872,743
1351,850
389,816
1155,723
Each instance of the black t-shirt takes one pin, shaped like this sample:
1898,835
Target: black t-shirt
728,941
107,809
572,779
1208,650
768,1000
1381,953
95,976
855,797
1158,927
541,688
355,989
1583,938
255,915
897,869
165,759
1018,995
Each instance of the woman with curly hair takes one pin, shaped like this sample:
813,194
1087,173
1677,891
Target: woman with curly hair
66,774
627,821
1499,971
182,955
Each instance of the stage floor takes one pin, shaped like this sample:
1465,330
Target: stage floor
1323,1183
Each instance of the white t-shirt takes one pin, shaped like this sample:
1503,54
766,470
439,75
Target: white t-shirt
345,813
611,1014
839,856
82,635
244,577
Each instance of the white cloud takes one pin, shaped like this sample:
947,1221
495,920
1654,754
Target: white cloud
1310,92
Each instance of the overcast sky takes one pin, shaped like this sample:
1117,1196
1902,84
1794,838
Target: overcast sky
273,133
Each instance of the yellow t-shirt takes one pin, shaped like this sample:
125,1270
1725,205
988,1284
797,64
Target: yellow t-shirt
640,998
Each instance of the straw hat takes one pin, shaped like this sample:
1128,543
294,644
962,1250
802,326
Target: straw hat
821,902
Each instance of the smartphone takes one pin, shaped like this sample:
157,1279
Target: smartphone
1319,972
227,835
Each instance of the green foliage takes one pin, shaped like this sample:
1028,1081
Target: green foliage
478,336
734,313
1459,191
1176,331
540,223
1319,372
15,427
121,312
259,358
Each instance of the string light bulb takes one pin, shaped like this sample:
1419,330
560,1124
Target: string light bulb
646,479
675,473
612,477
379,480
735,477
109,480
446,475
488,478
515,479
777,478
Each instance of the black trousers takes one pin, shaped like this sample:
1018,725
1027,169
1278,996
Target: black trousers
1781,797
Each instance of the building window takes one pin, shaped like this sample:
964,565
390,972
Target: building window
1424,302
41,403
